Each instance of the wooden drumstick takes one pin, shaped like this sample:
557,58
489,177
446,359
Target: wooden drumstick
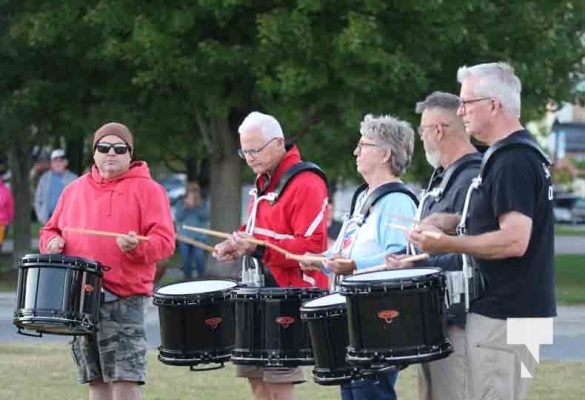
229,235
418,257
195,243
318,259
433,234
101,233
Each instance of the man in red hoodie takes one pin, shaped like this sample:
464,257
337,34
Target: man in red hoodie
295,220
117,195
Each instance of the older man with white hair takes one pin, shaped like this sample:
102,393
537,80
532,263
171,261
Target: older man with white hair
510,232
294,219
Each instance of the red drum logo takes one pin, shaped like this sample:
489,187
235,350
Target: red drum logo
87,288
213,322
388,315
285,321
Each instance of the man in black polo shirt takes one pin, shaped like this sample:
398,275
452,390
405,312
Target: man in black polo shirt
510,232
456,162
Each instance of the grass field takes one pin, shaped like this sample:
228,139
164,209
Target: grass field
46,372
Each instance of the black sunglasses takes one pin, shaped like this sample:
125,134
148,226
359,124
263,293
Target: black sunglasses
119,148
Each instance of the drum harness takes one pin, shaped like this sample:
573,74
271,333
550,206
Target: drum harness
456,280
254,272
462,228
358,218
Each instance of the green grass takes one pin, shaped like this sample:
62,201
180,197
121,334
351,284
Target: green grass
570,230
570,278
46,372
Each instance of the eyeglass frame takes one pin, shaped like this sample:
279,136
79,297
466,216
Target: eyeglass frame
421,128
254,152
463,103
119,148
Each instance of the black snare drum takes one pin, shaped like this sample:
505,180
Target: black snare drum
396,317
269,329
196,323
58,294
327,321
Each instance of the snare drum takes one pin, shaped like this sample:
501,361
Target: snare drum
57,294
196,323
396,317
269,329
326,318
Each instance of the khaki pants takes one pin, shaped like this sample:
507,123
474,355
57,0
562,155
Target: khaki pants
494,366
446,378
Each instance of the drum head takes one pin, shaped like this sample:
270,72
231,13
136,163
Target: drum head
325,301
196,287
394,274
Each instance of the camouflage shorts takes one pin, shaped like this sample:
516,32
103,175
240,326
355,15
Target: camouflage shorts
117,352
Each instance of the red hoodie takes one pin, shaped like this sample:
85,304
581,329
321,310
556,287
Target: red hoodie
296,222
132,201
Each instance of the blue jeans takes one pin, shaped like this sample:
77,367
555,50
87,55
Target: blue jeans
378,387
190,254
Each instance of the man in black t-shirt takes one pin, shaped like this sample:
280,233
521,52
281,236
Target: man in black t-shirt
510,232
456,162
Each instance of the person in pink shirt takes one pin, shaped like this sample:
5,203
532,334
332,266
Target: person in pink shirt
116,195
6,207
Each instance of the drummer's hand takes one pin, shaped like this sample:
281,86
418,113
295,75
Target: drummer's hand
226,251
56,245
310,265
245,248
127,242
444,221
340,268
394,261
426,240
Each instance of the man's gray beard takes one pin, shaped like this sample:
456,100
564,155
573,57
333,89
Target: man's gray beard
433,158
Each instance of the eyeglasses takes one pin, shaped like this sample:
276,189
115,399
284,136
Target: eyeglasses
421,128
254,152
119,148
463,103
361,145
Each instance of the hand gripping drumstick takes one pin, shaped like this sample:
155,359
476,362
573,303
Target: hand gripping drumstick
418,257
101,233
433,234
195,243
229,235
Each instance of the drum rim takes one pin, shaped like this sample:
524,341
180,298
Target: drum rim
194,296
273,291
404,281
56,261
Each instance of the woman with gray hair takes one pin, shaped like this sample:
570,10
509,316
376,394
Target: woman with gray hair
383,153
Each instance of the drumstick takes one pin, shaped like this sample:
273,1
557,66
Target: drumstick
195,243
311,258
418,257
101,233
229,235
433,234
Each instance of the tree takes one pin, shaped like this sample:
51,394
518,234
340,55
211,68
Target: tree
184,74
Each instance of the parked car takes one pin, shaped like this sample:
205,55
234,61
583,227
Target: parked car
569,209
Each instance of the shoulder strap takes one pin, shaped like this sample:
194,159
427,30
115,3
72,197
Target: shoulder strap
378,193
457,167
290,173
510,143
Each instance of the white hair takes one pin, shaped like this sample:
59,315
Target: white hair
495,80
267,124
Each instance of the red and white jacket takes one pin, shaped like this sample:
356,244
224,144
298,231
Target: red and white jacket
296,222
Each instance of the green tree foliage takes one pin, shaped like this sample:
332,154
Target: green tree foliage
183,74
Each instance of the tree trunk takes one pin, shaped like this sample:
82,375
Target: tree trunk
20,166
226,177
